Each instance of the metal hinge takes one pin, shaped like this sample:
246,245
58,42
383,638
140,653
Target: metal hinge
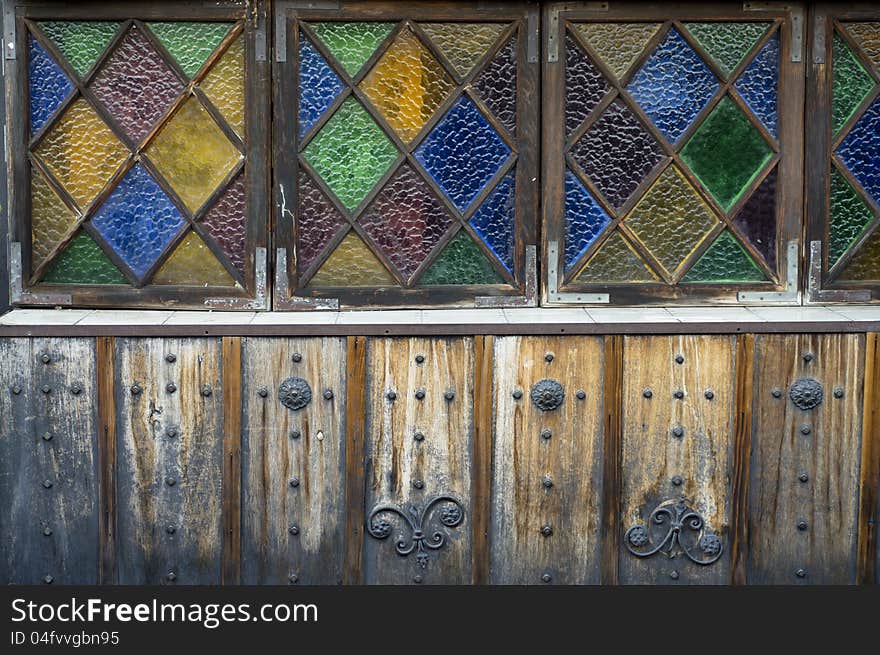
9,39
260,301
791,295
815,293
554,295
281,9
797,23
553,35
283,297
533,36
17,295
530,299
819,40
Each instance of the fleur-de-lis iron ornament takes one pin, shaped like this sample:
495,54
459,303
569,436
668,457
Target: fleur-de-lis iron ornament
451,514
674,529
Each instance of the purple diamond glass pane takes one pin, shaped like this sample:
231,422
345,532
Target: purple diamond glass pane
48,86
757,219
318,221
496,86
585,86
860,151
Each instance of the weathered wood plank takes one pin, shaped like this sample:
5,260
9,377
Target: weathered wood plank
742,450
484,347
231,364
547,464
355,428
659,465
805,463
105,356
407,471
169,460
48,462
293,462
611,473
869,487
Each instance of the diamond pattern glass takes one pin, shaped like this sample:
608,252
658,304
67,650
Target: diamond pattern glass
727,43
849,217
618,44
190,43
867,35
865,265
461,262
495,220
318,85
48,85
860,151
51,219
585,219
850,83
757,219
352,264
463,44
81,42
193,264
83,262
352,44
759,84
225,222
616,262
318,221
224,85
496,86
585,86
725,261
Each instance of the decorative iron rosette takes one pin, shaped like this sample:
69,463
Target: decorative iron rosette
806,393
675,529
295,393
547,395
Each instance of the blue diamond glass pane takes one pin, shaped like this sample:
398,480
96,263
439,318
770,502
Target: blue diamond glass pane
584,219
318,85
759,84
673,85
860,150
462,153
138,220
47,84
495,219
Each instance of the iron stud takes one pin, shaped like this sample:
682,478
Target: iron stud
709,394
294,482
16,390
518,394
803,477
293,578
547,530
418,484
420,394
679,394
838,392
776,393
207,391
76,388
420,359
297,357
805,429
676,480
263,392
674,574
808,357
170,529
581,394
678,432
417,579
47,532
293,529
48,579
647,393
47,484
135,389
546,434
171,433
295,434
801,573
418,436
170,358
391,396
449,395
47,436
547,482
802,525
45,358
548,357
679,359
170,481
170,387
546,578
46,388
171,576
328,394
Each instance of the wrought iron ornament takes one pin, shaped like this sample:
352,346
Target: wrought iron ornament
680,529
806,393
547,395
419,521
295,393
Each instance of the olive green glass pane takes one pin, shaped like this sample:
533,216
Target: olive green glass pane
727,43
193,264
352,264
867,35
463,44
224,85
671,220
81,42
83,262
190,43
461,262
849,217
193,154
352,43
51,219
350,153
726,153
725,261
865,266
618,44
616,261
850,83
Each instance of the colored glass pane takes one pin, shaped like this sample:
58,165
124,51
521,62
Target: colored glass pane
860,151
849,217
463,44
850,83
495,220
318,221
318,85
865,265
584,219
618,44
867,35
462,153
758,85
496,85
350,153
585,86
727,43
461,262
81,152
190,43
193,154
756,221
726,153
616,261
48,85
352,264
51,219
224,85
725,261
83,262
407,85
81,42
225,222
352,43
193,264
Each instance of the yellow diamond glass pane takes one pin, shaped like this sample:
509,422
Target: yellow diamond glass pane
463,44
81,152
193,154
193,264
865,265
407,85
616,261
224,85
352,265
618,44
867,35
51,219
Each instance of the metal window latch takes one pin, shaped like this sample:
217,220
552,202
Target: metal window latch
815,293
259,20
529,299
791,295
260,301
17,294
285,300
281,9
554,296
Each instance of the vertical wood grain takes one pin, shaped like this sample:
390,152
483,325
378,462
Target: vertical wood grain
868,553
611,474
742,447
231,460
355,428
482,476
105,356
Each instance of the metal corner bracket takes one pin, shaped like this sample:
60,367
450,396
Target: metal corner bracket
17,294
791,295
9,36
815,293
281,9
260,301
797,23
283,298
553,30
554,296
529,299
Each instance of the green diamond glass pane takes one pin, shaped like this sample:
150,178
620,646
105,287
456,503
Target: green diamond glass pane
461,262
190,43
352,43
849,217
616,261
726,153
865,266
725,261
350,153
83,262
81,42
850,83
727,43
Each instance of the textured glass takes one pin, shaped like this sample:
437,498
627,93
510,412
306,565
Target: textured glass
584,85
352,264
350,153
193,264
318,221
584,219
727,43
673,86
406,221
496,85
193,154
865,266
867,35
759,83
81,42
51,219
318,85
616,153
352,43
224,85
463,44
407,85
83,262
725,261
135,85
671,219
495,220
190,43
225,222
48,86
618,44
860,151
81,152
850,83
616,261
462,153
138,220
757,219
726,152
461,262
849,217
